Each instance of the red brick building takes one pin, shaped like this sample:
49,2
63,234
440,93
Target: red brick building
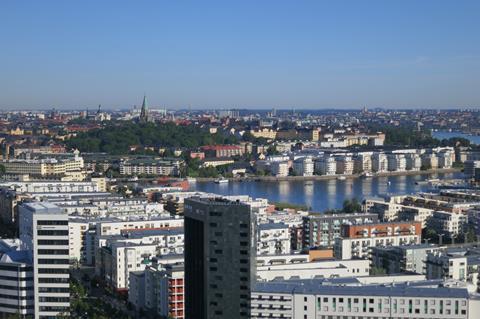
381,229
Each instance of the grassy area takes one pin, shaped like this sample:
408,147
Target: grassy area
281,206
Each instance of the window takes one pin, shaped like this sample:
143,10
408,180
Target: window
45,261
52,232
52,222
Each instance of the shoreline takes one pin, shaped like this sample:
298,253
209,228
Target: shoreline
328,177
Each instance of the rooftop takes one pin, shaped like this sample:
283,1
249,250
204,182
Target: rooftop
321,287
42,208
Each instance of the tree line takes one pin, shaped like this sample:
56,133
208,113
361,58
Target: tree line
116,139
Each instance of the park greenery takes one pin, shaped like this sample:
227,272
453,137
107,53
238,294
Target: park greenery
297,207
349,206
117,138
410,136
84,306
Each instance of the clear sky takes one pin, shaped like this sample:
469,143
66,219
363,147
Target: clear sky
303,54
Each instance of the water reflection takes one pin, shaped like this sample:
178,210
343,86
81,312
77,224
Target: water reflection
324,194
283,189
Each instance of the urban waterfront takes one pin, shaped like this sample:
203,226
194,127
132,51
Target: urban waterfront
321,195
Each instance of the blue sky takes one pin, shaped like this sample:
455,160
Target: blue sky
224,54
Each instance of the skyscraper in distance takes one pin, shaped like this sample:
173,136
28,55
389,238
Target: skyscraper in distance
220,249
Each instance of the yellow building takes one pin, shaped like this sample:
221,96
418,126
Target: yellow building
16,131
266,133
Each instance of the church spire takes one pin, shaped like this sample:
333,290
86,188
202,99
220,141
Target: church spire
144,110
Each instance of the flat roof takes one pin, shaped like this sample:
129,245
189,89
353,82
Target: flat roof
42,208
399,290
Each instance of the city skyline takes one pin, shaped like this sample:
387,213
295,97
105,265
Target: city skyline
306,55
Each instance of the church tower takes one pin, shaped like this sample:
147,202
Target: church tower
144,111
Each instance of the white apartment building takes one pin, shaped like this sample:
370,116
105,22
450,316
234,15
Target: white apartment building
445,160
44,234
133,252
115,226
441,265
396,162
313,270
52,187
326,165
273,239
314,300
150,167
43,167
392,208
279,169
379,162
413,162
348,248
457,264
362,163
159,290
430,160
448,223
344,165
16,275
303,166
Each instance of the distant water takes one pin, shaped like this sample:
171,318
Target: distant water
323,194
475,139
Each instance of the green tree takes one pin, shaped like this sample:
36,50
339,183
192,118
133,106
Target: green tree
351,206
117,137
470,235
377,271
430,234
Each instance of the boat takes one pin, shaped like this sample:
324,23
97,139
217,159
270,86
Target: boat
341,178
221,181
367,174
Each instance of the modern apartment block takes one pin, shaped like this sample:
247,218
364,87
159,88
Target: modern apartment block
326,165
150,167
312,299
461,264
44,234
362,163
322,229
279,169
133,251
159,290
42,167
379,162
303,166
312,270
356,241
273,239
16,275
395,260
345,165
220,249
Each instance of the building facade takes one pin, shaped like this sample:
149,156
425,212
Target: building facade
220,249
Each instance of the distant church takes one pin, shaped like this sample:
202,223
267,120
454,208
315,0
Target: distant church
144,118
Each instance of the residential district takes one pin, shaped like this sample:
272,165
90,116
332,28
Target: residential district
98,219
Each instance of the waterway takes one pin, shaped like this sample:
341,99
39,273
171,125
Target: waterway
475,139
321,195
